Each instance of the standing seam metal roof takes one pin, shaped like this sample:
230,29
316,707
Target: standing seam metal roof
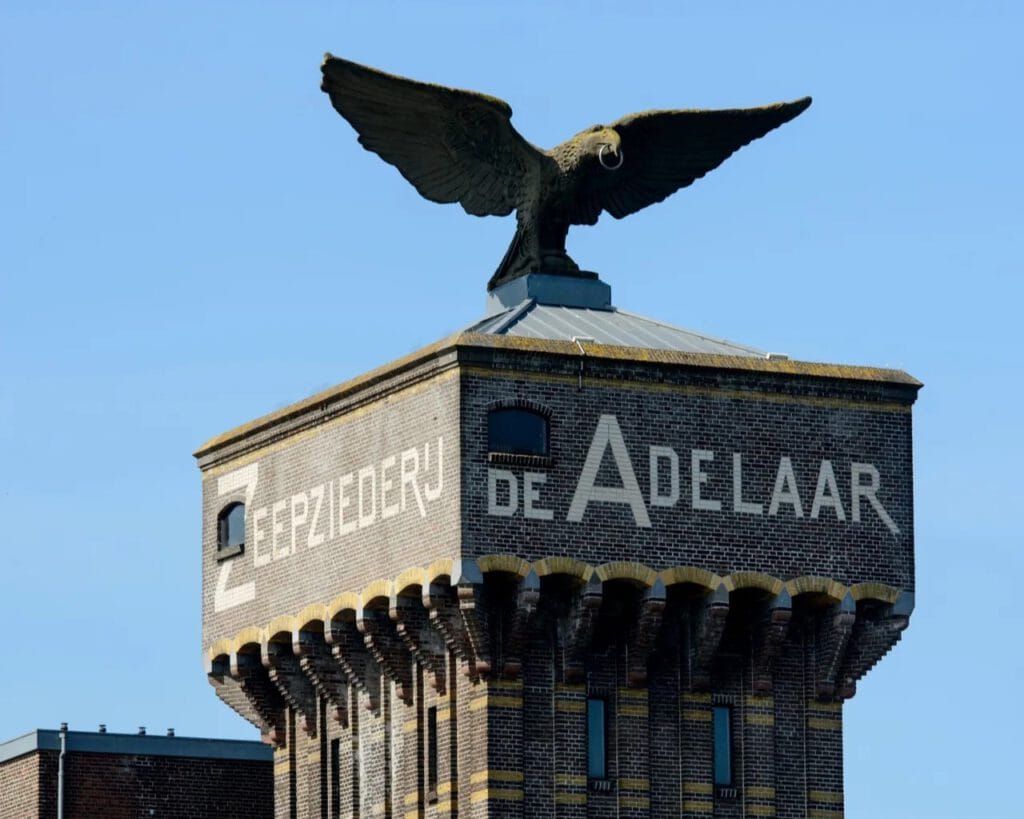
605,326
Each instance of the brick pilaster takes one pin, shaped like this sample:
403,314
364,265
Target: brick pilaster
759,756
697,753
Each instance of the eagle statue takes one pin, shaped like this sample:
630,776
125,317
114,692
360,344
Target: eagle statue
460,146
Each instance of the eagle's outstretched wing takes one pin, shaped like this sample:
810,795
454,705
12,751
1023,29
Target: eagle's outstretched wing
452,145
664,151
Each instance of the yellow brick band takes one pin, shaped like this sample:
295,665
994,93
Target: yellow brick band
496,776
281,768
834,797
767,720
412,814
313,756
832,707
570,688
760,810
571,779
570,706
693,715
641,802
698,788
504,685
761,702
489,701
697,696
444,787
632,710
760,792
411,799
633,693
626,784
822,813
444,714
410,725
570,798
444,806
824,724
507,794
693,806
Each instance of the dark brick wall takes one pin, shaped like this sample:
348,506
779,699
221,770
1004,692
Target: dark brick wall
115,786
752,415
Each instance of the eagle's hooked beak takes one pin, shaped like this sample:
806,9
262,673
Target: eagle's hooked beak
615,154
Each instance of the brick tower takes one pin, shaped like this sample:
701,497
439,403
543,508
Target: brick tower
569,562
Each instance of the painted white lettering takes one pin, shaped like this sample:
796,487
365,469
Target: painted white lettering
345,501
827,480
859,490
785,489
312,538
738,504
531,495
434,492
330,511
658,454
258,536
494,507
367,475
387,510
698,477
410,466
300,511
608,435
277,528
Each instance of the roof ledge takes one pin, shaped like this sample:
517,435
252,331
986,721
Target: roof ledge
545,288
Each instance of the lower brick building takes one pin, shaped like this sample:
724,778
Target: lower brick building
127,776
570,562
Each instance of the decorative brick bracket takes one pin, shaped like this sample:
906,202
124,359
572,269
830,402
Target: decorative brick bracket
580,628
323,672
351,654
254,682
834,630
525,608
388,649
772,626
708,626
286,675
644,633
412,624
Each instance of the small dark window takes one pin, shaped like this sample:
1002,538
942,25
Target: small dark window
432,754
597,734
231,529
335,779
517,432
723,745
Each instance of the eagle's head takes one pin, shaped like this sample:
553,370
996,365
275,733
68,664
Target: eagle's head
602,146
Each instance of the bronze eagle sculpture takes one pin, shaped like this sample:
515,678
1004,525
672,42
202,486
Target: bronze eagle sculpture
460,146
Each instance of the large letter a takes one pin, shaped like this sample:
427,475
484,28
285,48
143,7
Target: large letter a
607,435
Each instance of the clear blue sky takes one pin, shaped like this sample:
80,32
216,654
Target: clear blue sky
191,237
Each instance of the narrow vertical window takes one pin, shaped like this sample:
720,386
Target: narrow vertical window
432,753
597,733
335,779
723,745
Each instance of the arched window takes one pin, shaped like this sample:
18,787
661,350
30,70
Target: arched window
517,431
231,529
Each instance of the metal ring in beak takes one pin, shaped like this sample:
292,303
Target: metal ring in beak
600,158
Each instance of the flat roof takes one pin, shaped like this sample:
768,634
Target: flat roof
93,742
